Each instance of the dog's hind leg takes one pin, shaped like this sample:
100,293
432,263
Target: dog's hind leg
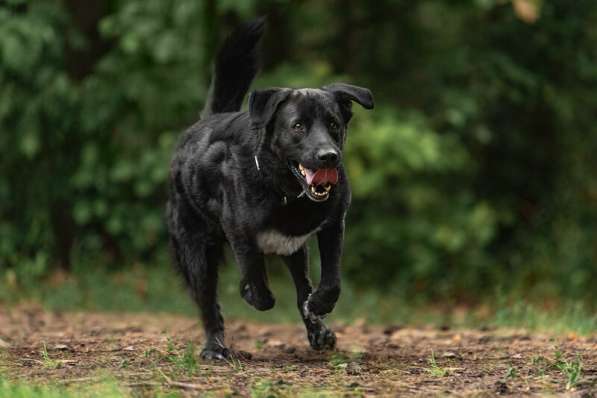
320,337
199,266
254,286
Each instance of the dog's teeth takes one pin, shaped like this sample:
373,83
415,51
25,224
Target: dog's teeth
318,194
328,187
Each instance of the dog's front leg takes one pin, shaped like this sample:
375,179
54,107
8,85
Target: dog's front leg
320,337
254,287
323,300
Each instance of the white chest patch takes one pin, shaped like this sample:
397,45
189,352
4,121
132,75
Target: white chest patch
274,242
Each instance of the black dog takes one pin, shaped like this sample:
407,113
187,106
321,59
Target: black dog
264,181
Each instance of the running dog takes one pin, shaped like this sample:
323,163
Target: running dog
263,181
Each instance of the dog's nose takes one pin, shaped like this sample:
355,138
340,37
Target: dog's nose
329,156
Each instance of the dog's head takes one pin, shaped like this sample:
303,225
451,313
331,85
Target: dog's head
306,130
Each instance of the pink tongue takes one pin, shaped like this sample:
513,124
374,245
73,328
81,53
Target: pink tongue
321,176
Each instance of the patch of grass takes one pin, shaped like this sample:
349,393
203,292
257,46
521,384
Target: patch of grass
185,362
235,363
48,362
151,353
259,344
541,364
267,389
570,317
511,373
572,370
339,360
434,369
105,389
124,364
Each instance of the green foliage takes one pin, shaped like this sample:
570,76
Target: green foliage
572,370
511,373
475,173
107,389
48,362
402,172
434,369
186,361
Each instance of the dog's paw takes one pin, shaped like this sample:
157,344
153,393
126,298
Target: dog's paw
321,338
322,301
309,315
262,299
216,353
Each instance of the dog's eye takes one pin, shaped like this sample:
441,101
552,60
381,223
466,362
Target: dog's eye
299,127
333,125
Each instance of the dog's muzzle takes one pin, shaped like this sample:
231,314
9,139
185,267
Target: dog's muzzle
317,184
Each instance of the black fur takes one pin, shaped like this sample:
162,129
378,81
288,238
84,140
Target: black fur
234,179
235,67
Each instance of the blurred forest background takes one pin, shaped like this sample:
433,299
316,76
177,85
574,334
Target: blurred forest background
475,176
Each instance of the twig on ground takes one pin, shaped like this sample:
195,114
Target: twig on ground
77,380
177,384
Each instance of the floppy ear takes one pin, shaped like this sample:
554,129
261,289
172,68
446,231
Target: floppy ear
346,94
360,95
264,103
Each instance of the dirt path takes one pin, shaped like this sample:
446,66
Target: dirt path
149,353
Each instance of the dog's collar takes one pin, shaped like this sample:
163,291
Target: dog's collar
286,197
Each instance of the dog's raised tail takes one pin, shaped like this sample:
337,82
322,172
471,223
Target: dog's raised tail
235,67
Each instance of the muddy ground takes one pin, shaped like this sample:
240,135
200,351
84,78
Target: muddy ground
151,353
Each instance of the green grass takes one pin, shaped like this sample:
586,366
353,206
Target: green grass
105,389
185,362
48,362
434,369
540,364
567,317
341,361
572,370
159,289
108,388
511,373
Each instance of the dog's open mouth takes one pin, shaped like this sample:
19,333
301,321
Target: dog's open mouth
317,184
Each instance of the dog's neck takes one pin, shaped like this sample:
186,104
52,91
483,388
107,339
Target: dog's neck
266,167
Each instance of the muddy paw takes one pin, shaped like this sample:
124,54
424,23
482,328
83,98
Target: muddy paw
322,338
262,299
215,353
